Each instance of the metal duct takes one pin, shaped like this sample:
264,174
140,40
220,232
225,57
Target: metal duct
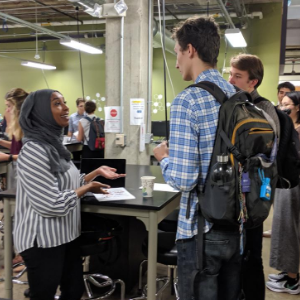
169,42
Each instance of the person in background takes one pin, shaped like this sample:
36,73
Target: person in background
185,164
75,117
247,72
13,101
84,131
282,89
285,239
49,188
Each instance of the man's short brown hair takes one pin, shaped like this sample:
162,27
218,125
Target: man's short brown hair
90,107
79,100
250,63
203,35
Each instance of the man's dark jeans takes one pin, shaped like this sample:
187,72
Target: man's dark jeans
220,278
253,271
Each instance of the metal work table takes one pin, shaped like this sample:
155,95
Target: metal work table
149,210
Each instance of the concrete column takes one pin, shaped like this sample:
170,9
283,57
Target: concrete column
135,76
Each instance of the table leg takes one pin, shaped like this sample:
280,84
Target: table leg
152,256
7,249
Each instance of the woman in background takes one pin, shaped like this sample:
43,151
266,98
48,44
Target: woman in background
49,188
13,101
285,238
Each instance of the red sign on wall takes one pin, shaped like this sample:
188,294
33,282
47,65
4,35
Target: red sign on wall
113,113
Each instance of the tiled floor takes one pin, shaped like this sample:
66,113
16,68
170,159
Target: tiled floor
19,289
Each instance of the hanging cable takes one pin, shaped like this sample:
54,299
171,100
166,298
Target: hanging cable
162,38
165,72
79,52
44,58
225,55
37,56
207,7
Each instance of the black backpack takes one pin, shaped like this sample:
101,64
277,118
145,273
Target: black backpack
96,136
288,156
246,135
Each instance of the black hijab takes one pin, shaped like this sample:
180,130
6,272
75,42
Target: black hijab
38,124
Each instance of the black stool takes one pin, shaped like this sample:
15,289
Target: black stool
166,255
169,224
97,279
97,237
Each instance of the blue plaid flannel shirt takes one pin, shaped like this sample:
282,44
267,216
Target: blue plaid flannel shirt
193,125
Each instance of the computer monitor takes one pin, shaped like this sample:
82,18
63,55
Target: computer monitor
90,164
159,128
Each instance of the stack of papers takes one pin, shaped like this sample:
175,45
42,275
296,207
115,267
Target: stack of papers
163,187
114,195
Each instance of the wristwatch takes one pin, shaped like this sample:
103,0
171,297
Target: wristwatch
10,158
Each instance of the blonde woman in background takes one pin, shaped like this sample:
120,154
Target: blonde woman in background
13,102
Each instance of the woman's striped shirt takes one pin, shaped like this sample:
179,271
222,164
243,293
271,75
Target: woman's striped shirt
47,207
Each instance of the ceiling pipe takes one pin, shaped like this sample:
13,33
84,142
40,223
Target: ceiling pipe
57,10
227,17
169,42
156,39
63,23
252,15
33,26
238,7
44,38
225,13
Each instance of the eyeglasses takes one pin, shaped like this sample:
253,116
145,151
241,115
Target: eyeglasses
80,105
286,105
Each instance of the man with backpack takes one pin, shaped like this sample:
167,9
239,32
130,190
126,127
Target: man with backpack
185,164
246,73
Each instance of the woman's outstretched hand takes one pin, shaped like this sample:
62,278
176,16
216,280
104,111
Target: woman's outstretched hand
109,173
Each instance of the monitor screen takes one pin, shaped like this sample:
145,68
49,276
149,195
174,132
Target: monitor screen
90,164
159,128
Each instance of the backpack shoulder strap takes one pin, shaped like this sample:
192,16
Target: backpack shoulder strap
213,89
88,118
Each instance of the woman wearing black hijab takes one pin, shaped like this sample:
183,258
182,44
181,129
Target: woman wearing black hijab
49,187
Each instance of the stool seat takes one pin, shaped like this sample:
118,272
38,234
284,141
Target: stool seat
88,249
166,250
169,224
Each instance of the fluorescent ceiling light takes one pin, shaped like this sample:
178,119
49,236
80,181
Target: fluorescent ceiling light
37,65
235,38
80,46
294,79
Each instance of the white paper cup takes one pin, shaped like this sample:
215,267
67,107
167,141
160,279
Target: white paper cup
147,185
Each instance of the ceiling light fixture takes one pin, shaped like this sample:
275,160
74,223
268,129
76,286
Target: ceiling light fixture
80,46
235,38
37,65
